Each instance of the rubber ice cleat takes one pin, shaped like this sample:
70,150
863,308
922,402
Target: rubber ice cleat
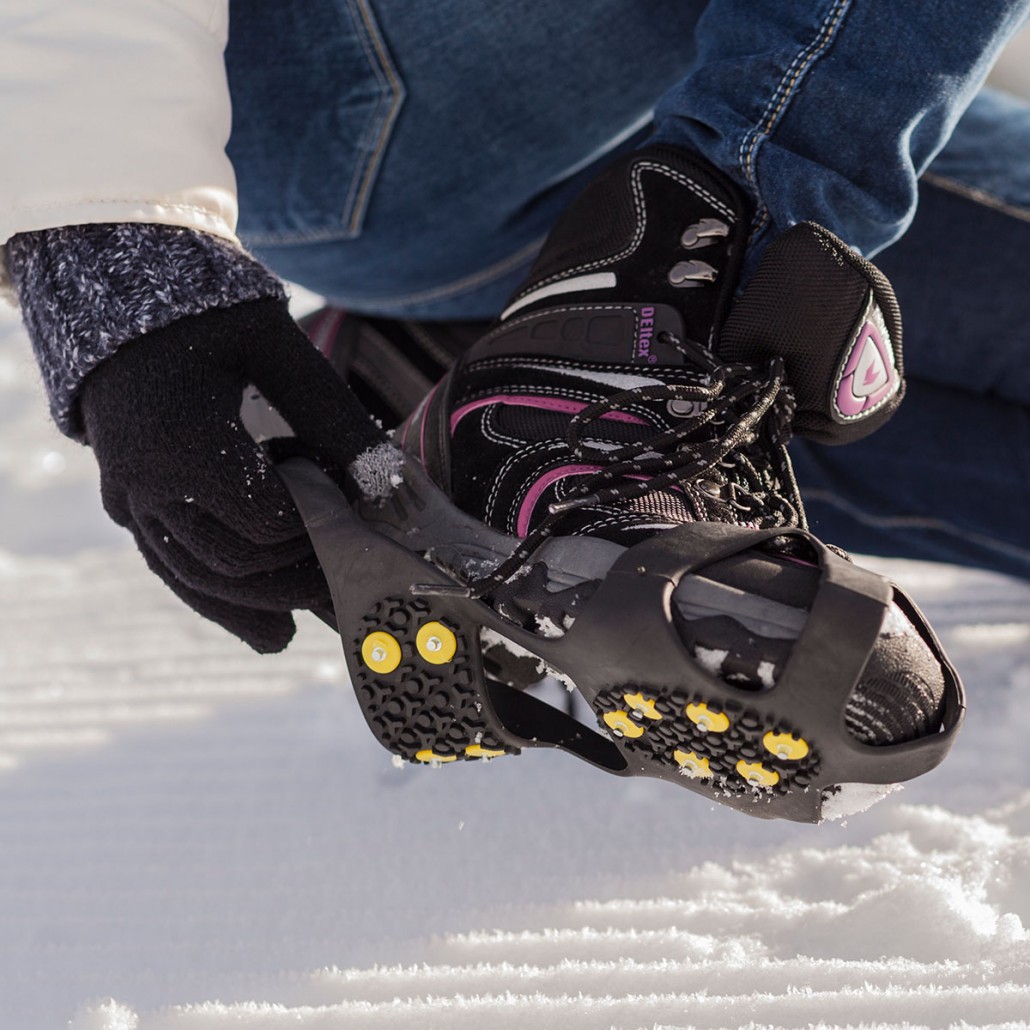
708,723
601,486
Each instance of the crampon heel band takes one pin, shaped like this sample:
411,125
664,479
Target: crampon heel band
417,666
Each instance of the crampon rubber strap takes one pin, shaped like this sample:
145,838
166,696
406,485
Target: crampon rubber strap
417,667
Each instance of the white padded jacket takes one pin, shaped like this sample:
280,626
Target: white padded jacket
115,111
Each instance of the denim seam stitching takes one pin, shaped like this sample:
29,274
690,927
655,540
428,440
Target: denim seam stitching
977,195
785,91
381,124
369,137
913,522
458,286
375,136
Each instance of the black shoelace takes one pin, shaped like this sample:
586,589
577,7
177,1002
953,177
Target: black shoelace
736,403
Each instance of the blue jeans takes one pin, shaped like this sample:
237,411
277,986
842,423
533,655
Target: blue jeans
407,159
949,476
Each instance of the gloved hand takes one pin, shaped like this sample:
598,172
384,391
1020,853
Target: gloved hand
180,471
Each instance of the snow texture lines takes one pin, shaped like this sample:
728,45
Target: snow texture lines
123,662
796,940
213,839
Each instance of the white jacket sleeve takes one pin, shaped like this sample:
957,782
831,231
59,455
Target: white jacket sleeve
114,111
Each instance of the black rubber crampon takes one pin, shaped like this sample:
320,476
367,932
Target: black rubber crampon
417,666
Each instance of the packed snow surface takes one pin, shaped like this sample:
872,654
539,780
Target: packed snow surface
193,837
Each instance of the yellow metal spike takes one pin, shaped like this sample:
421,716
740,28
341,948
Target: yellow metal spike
645,706
427,755
381,652
622,725
786,746
478,751
436,643
707,719
696,766
757,775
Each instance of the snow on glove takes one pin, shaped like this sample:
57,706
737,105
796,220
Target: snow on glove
180,471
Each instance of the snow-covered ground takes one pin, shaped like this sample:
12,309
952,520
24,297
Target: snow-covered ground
196,838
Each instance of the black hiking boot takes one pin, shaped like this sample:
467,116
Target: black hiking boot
600,489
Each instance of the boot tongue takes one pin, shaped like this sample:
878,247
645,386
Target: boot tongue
654,245
614,333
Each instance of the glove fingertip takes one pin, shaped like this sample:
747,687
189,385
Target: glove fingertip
270,634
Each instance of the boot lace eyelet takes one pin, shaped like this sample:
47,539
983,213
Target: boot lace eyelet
692,274
703,233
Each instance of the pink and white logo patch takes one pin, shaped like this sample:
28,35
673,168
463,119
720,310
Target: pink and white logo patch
869,375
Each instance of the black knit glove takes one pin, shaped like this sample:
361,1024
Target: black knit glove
180,471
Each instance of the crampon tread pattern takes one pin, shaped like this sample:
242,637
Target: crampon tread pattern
419,707
660,739
411,636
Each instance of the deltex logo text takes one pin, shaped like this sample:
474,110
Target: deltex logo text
645,334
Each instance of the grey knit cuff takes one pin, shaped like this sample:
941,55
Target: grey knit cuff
87,289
